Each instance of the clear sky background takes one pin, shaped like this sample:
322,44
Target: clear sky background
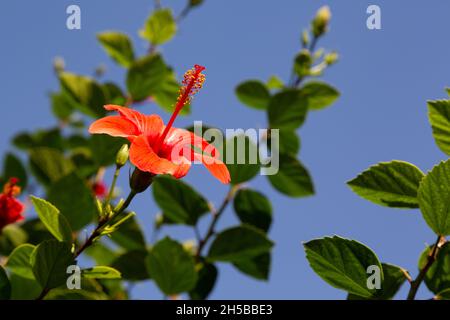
385,78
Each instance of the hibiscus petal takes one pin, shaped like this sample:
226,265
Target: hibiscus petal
178,136
115,126
216,167
151,125
143,157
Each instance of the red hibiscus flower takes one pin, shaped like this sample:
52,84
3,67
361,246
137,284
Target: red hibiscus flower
162,149
11,209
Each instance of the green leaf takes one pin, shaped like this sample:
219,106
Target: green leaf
391,184
11,236
287,109
443,295
104,149
437,277
253,93
5,285
293,178
238,243
145,76
36,231
13,168
179,201
129,235
207,276
257,267
114,94
319,95
101,272
62,105
23,283
253,208
342,263
434,196
49,165
167,93
394,277
87,95
172,268
118,46
49,261
439,117
289,142
160,27
55,222
74,199
242,158
19,261
132,265
100,253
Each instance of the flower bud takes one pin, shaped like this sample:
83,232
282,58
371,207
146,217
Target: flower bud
122,156
140,180
59,64
305,38
331,58
321,21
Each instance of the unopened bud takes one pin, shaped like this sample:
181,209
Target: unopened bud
305,38
140,180
59,64
122,156
331,58
321,21
303,62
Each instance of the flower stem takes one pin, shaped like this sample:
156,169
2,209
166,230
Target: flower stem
216,216
113,186
96,233
415,284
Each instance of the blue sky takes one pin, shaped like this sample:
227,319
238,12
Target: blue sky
385,77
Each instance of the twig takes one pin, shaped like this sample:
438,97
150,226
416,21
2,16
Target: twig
418,281
216,215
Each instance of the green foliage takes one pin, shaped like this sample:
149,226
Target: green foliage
130,235
287,109
394,278
437,278
49,165
439,116
80,212
146,76
293,178
132,265
239,243
101,272
319,95
257,267
118,46
5,286
160,27
254,94
253,208
49,261
172,268
342,263
207,276
179,201
13,167
87,96
241,156
55,222
433,196
391,184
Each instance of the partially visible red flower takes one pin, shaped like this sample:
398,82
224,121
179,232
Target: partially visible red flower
11,209
99,188
159,148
